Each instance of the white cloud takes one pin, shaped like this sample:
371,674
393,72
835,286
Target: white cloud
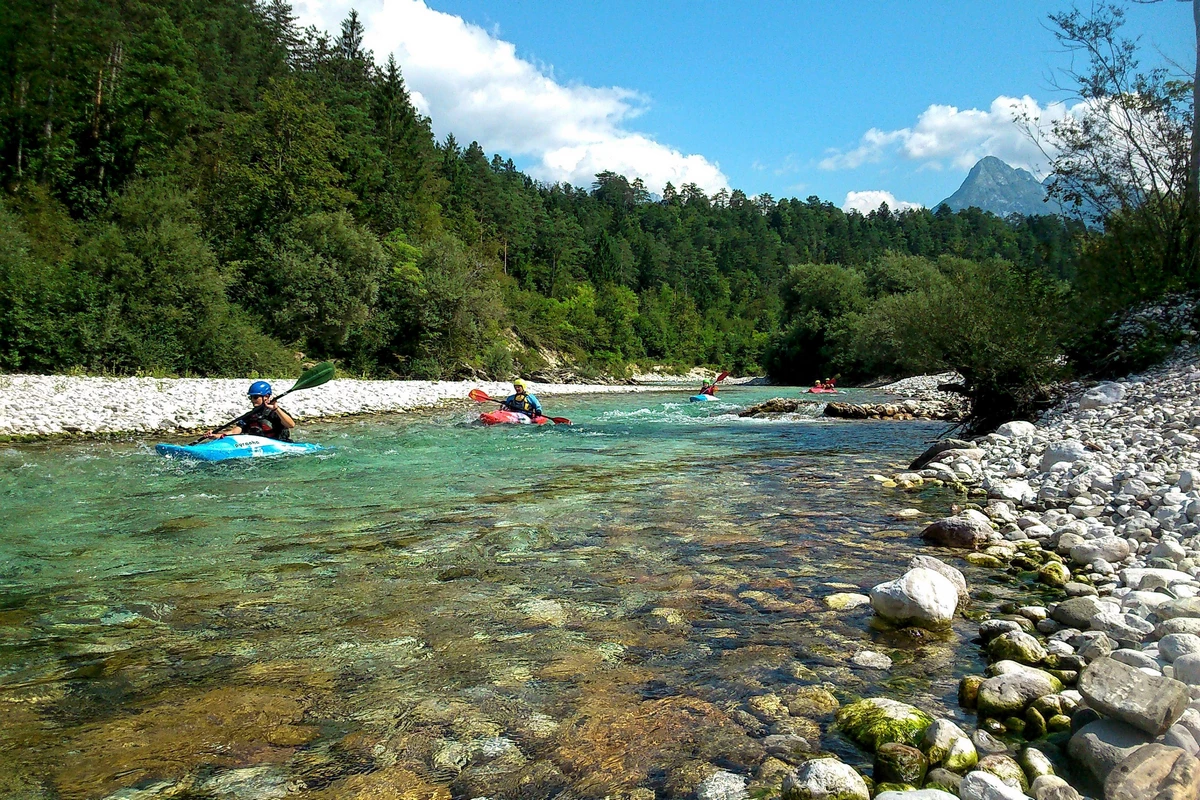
868,201
945,135
474,85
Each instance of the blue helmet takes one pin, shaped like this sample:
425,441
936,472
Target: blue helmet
259,389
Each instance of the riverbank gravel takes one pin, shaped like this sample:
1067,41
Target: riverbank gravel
1100,500
48,405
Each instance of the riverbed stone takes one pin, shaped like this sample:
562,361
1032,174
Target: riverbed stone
878,720
722,785
1052,787
1112,549
1180,607
1006,769
981,785
950,573
900,763
824,779
1147,702
1069,451
1187,669
919,794
870,659
946,744
1077,612
813,702
1017,646
1154,771
920,597
846,601
1177,625
964,533
1035,763
1054,573
1101,745
1010,693
1174,645
1017,429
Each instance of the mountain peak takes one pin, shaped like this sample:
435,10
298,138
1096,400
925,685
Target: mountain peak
992,185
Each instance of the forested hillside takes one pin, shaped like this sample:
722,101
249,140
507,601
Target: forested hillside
202,188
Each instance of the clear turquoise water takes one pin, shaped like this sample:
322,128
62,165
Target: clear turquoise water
431,581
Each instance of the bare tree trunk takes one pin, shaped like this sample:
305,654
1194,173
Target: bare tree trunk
23,89
1192,201
48,128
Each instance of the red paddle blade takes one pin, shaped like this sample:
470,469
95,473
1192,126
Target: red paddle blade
721,377
560,420
478,395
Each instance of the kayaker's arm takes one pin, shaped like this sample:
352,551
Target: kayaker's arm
285,419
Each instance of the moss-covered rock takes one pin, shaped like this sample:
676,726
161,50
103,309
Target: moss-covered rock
947,744
813,702
1054,573
900,763
1035,724
943,779
1006,769
1059,723
968,690
878,720
1016,646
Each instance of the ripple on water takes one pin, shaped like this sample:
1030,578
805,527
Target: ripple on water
449,609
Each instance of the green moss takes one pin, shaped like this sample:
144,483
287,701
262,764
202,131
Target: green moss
877,721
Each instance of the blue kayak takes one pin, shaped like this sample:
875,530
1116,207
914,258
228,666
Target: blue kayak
236,446
700,398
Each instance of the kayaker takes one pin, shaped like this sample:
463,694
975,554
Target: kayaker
522,401
266,419
708,388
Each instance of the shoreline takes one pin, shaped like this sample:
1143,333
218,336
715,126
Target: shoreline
43,407
1099,505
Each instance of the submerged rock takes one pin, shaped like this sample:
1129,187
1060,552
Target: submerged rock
900,763
722,786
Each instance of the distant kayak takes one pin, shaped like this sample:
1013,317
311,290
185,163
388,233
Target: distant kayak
236,446
503,417
823,391
700,398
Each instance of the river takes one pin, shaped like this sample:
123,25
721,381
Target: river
509,611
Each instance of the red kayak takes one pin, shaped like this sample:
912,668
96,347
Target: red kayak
503,417
822,391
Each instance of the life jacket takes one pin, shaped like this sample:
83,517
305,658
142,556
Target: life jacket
526,404
267,425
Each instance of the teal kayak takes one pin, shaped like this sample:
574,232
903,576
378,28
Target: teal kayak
236,446
700,398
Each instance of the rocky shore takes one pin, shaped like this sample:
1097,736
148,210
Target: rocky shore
918,398
48,405
1096,691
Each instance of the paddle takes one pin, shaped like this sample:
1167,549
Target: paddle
713,386
480,396
313,376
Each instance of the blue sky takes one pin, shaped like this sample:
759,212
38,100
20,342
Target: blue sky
791,98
